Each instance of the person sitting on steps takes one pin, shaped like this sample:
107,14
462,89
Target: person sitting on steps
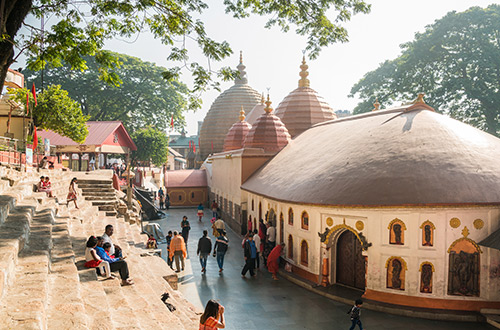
115,264
92,260
116,251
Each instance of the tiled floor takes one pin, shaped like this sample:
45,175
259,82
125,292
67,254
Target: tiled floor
261,303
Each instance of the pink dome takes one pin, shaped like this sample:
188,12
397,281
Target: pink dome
268,132
237,134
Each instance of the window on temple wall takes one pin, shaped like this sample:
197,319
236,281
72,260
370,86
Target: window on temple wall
305,220
290,247
282,228
397,232
290,216
304,253
260,211
464,267
426,271
396,271
427,233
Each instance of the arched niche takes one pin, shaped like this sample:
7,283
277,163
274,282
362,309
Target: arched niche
427,228
426,276
396,273
397,232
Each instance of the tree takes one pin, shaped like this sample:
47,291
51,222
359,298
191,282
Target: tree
456,62
82,27
56,111
152,145
143,97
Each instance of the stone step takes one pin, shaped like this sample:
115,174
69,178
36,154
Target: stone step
25,302
91,181
106,208
94,185
100,197
111,213
97,191
104,202
103,194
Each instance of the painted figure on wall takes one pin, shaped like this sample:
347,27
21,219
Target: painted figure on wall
396,274
427,236
397,233
426,279
464,274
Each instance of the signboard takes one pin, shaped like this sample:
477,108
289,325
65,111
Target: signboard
29,157
46,144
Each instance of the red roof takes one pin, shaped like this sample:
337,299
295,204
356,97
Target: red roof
100,132
186,178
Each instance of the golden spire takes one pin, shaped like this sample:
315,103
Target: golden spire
242,114
376,105
420,99
304,82
268,108
262,99
241,56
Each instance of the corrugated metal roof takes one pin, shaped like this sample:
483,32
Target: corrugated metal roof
99,131
186,178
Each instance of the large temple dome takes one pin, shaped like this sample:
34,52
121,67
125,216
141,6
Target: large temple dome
303,107
406,156
224,112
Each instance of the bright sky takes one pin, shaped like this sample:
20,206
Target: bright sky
273,58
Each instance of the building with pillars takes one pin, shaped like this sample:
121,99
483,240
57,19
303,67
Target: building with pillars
400,204
105,138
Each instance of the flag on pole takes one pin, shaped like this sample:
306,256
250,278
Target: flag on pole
172,122
189,144
33,91
28,103
194,148
35,139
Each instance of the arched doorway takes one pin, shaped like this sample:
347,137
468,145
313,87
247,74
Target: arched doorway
282,228
271,217
350,265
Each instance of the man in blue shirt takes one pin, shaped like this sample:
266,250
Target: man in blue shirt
250,251
116,264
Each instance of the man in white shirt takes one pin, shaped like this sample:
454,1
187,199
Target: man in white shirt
256,239
271,235
115,249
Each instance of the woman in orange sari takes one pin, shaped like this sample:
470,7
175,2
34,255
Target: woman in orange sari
273,260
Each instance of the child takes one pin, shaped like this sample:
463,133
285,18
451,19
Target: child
94,261
355,314
107,247
151,244
200,211
48,186
72,192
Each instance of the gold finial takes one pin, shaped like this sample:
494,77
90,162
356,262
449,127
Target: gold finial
242,114
241,56
465,232
304,82
420,98
268,108
376,105
262,99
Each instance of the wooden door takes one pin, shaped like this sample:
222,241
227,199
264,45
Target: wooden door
350,266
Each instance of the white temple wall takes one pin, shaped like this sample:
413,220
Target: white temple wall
226,178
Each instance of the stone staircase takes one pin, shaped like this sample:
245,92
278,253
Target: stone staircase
43,284
101,193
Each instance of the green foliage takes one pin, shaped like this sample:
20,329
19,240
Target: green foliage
152,145
142,97
456,62
56,111
82,27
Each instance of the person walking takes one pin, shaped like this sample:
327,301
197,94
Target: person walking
220,249
213,316
271,235
169,239
162,202
273,260
355,314
220,226
256,239
185,228
167,201
215,206
200,211
250,252
178,251
72,192
204,248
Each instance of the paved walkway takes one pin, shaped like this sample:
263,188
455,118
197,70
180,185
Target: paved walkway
261,303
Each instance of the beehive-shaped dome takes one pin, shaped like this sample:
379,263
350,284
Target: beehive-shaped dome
303,107
235,138
225,111
268,132
256,112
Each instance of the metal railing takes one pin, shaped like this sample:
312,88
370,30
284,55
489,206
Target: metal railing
8,149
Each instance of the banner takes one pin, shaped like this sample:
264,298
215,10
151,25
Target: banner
46,144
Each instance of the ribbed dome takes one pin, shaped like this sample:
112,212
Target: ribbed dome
402,156
268,132
256,112
303,107
224,113
235,138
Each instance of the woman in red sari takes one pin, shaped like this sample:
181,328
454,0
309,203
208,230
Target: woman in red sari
273,260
